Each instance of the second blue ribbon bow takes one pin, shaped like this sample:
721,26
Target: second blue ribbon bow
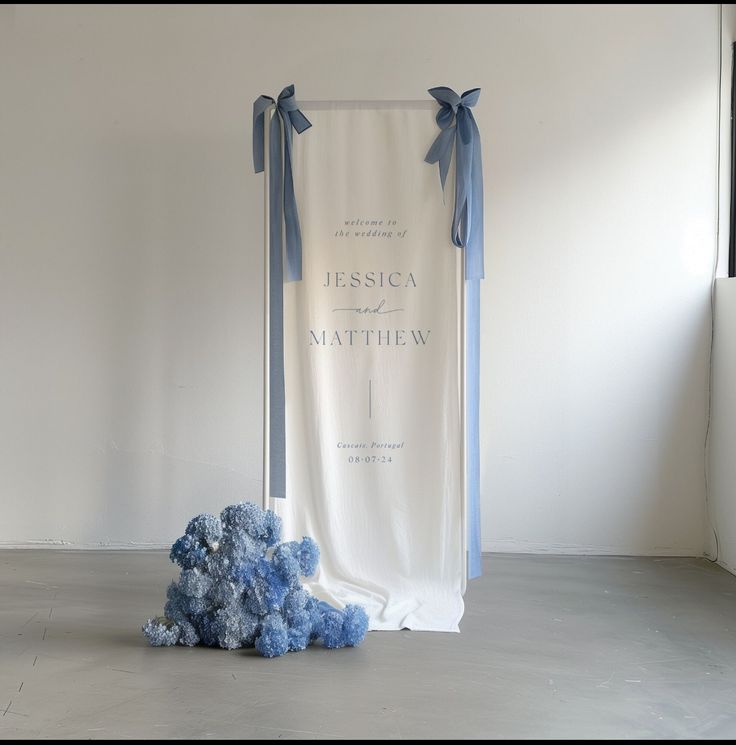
459,130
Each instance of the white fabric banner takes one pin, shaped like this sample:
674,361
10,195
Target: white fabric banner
374,442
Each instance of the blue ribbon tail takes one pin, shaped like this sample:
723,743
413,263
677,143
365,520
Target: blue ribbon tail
277,398
474,256
282,213
291,220
441,152
259,109
472,419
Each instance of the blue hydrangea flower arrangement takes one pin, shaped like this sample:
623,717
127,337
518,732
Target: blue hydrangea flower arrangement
240,587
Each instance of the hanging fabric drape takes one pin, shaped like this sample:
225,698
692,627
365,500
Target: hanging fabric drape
458,134
373,338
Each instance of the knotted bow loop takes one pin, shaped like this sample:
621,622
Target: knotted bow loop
458,128
287,105
287,108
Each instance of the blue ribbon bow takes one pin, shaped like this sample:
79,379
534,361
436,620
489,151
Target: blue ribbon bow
281,187
457,127
282,211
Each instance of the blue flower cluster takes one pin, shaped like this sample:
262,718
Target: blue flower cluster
240,587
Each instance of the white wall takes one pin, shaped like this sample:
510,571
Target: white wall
728,36
721,525
131,228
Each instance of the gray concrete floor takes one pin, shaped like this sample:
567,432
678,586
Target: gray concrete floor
556,647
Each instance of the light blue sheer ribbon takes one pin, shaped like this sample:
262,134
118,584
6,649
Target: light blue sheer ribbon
459,132
282,214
